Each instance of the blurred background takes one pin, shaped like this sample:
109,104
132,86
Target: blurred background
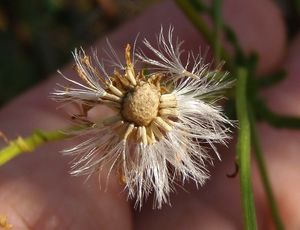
37,36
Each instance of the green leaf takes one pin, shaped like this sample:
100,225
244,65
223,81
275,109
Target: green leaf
199,6
272,79
276,120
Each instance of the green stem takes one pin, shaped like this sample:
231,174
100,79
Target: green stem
217,19
193,15
243,151
39,137
264,174
28,144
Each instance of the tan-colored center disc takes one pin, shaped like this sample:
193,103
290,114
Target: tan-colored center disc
140,106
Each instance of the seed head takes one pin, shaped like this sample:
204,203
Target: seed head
164,119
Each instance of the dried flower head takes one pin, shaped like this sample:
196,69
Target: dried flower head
165,117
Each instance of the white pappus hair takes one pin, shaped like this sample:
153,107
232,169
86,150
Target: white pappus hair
174,145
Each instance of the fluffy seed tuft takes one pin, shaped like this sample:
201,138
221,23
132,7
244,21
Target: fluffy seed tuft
164,119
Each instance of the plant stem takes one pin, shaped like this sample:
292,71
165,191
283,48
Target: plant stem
264,174
28,144
207,33
244,149
39,137
217,19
